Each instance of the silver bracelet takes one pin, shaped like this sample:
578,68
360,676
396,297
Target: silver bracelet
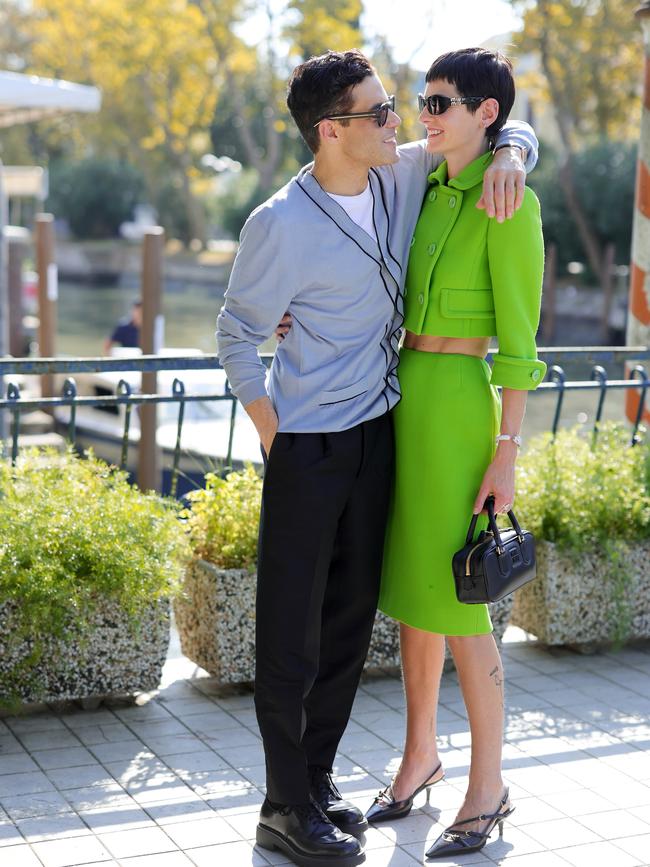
516,439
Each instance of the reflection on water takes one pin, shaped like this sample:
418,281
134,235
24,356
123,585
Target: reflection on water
87,315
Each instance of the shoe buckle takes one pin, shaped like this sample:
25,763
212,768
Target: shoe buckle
385,795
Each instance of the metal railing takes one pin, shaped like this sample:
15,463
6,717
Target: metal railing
557,381
16,405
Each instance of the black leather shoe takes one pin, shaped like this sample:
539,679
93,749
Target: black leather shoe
342,813
385,807
306,835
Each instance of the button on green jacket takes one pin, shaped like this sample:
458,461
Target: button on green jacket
469,276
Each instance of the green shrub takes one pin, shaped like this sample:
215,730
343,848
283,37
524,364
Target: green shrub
604,175
224,517
585,495
74,532
95,196
230,209
577,494
172,209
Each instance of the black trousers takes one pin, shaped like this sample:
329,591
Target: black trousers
324,509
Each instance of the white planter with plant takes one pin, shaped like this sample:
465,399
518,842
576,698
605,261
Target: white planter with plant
588,504
88,564
215,614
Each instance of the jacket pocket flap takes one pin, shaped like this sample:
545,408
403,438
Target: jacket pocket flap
467,303
338,395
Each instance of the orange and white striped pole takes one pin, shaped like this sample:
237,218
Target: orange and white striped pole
638,317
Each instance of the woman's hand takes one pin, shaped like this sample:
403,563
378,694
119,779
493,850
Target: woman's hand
283,327
499,480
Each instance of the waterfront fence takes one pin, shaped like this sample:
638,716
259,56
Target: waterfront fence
15,404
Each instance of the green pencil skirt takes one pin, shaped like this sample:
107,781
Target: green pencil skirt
445,429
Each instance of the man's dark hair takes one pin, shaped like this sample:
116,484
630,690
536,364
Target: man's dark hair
478,72
322,86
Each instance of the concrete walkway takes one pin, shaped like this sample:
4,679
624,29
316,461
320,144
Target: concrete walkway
179,780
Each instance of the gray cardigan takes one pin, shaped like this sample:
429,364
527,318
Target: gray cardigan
300,252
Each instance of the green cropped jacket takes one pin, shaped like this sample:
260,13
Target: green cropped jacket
469,276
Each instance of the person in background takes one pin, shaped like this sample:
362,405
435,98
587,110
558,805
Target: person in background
127,331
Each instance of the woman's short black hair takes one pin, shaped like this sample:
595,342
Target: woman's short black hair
478,72
322,86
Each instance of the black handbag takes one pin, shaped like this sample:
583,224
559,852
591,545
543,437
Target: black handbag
495,564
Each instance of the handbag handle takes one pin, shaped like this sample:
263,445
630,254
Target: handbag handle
492,521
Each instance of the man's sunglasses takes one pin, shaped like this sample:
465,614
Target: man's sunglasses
380,114
437,104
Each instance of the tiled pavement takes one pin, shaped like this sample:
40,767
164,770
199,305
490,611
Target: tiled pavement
178,781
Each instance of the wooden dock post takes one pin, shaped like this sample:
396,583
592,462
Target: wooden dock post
608,292
17,243
638,314
4,312
48,293
151,340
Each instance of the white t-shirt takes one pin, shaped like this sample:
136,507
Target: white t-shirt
359,209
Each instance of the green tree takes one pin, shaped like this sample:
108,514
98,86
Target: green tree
155,66
22,143
15,39
604,176
176,81
95,196
249,92
251,121
591,61
323,25
405,82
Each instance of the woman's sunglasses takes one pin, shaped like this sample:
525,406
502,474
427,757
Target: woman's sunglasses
437,104
380,113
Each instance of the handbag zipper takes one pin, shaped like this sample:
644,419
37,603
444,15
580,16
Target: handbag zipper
469,556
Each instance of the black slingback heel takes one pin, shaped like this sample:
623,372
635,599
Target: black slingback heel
453,842
385,807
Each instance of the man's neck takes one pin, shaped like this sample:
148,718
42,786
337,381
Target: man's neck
349,179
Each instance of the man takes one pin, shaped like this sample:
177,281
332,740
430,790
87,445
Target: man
127,331
331,249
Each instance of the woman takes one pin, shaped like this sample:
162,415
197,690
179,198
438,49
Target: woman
469,278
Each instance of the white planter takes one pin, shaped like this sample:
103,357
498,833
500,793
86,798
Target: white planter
215,618
575,598
109,658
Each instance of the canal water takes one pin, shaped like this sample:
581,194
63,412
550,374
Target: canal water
87,315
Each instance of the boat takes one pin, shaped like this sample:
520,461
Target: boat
205,432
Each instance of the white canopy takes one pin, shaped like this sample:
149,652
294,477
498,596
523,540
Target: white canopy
24,98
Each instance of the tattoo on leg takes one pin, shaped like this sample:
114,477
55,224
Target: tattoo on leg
498,680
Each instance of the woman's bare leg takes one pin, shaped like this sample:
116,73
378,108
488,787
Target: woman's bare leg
423,655
480,673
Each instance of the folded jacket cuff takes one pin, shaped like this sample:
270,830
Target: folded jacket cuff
524,374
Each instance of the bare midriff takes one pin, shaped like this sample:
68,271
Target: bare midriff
477,346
